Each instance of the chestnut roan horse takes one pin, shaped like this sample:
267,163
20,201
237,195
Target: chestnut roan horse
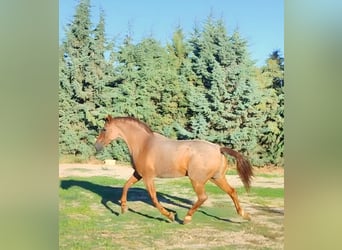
154,155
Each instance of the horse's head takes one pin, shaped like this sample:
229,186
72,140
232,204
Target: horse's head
109,132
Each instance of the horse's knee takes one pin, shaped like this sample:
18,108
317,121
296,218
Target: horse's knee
232,192
203,197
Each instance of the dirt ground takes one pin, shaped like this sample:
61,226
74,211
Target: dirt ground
125,171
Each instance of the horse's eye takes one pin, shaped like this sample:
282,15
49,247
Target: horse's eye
103,130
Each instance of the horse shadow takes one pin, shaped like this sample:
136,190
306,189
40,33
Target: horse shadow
113,194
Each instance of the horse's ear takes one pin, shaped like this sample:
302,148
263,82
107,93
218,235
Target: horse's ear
109,118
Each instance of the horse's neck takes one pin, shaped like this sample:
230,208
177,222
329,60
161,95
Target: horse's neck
134,136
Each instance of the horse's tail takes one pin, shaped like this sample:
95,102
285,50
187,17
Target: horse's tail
244,167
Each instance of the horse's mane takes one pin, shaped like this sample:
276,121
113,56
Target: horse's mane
136,121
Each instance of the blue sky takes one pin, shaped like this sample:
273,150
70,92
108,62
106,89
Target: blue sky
260,22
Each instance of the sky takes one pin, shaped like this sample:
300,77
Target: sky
260,22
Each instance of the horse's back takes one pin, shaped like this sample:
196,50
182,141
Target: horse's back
195,158
185,148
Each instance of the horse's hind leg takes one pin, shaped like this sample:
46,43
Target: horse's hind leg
223,184
201,198
152,192
133,179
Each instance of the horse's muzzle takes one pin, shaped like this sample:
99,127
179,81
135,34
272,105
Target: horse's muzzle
98,147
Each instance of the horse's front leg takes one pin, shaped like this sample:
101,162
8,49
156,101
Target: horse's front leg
133,179
152,192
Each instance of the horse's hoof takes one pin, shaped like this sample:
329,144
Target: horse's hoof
246,216
124,209
187,219
171,216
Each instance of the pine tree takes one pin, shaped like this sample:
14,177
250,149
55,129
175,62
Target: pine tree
184,77
204,87
245,96
178,48
272,83
100,75
134,82
76,54
149,83
67,132
225,89
84,83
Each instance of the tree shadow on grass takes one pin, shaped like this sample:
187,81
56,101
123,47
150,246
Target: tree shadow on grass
113,194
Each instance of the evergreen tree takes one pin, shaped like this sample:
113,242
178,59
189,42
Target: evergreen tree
181,67
76,47
225,95
84,73
245,96
204,87
198,106
272,83
126,81
178,49
136,94
68,142
149,83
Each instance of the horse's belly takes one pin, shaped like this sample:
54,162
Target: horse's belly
170,175
170,171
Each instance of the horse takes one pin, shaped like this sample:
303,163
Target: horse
156,156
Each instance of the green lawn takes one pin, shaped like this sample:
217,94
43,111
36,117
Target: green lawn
89,217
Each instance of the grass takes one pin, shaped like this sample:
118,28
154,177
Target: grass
71,159
90,218
265,192
269,175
